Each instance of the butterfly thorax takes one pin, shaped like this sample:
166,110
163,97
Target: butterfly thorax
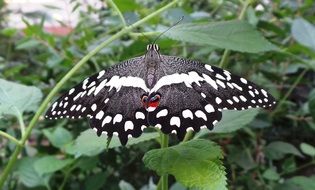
152,61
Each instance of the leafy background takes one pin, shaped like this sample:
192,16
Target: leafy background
252,149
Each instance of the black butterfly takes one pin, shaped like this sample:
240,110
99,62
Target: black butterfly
170,93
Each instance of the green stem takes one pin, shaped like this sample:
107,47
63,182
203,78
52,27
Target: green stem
6,135
285,97
240,17
163,183
21,122
44,104
112,4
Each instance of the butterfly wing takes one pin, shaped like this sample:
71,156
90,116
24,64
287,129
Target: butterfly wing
182,109
201,91
111,99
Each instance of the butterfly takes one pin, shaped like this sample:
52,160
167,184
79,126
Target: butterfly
174,94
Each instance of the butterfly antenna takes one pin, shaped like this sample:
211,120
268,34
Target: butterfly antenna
181,18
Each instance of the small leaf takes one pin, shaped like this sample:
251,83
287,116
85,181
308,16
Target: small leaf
308,149
16,98
234,35
89,144
28,175
278,149
271,174
30,43
196,163
123,185
231,121
303,32
58,136
50,164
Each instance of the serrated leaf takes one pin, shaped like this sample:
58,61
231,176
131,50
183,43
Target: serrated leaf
278,149
50,164
231,121
308,149
303,32
89,144
234,35
16,98
58,136
28,175
196,163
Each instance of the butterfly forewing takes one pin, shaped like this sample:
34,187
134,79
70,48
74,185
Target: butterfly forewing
110,99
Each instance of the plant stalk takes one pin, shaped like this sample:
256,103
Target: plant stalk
48,98
163,184
226,52
6,135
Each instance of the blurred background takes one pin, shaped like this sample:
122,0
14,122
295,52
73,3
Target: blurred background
41,40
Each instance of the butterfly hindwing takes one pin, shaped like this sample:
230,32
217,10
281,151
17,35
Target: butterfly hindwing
182,109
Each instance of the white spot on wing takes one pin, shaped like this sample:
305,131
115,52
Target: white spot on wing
99,115
220,76
210,81
117,118
220,83
118,82
209,68
243,80
175,121
201,114
54,106
162,113
209,108
93,107
128,125
264,92
107,119
218,100
100,74
187,114
140,115
71,91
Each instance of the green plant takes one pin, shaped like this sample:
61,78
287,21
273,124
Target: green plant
258,156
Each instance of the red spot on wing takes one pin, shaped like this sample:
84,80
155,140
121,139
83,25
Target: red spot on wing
154,104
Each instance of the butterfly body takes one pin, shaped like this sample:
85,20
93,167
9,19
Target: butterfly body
171,93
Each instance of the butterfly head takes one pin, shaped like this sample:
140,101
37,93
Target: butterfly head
152,57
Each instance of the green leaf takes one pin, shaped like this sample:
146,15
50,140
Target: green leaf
304,183
28,175
231,121
50,164
196,163
9,32
89,144
126,5
278,149
16,98
234,35
303,32
96,181
271,174
58,136
30,43
308,149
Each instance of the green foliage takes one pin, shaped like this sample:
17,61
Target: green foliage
89,144
15,99
196,163
273,47
234,35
